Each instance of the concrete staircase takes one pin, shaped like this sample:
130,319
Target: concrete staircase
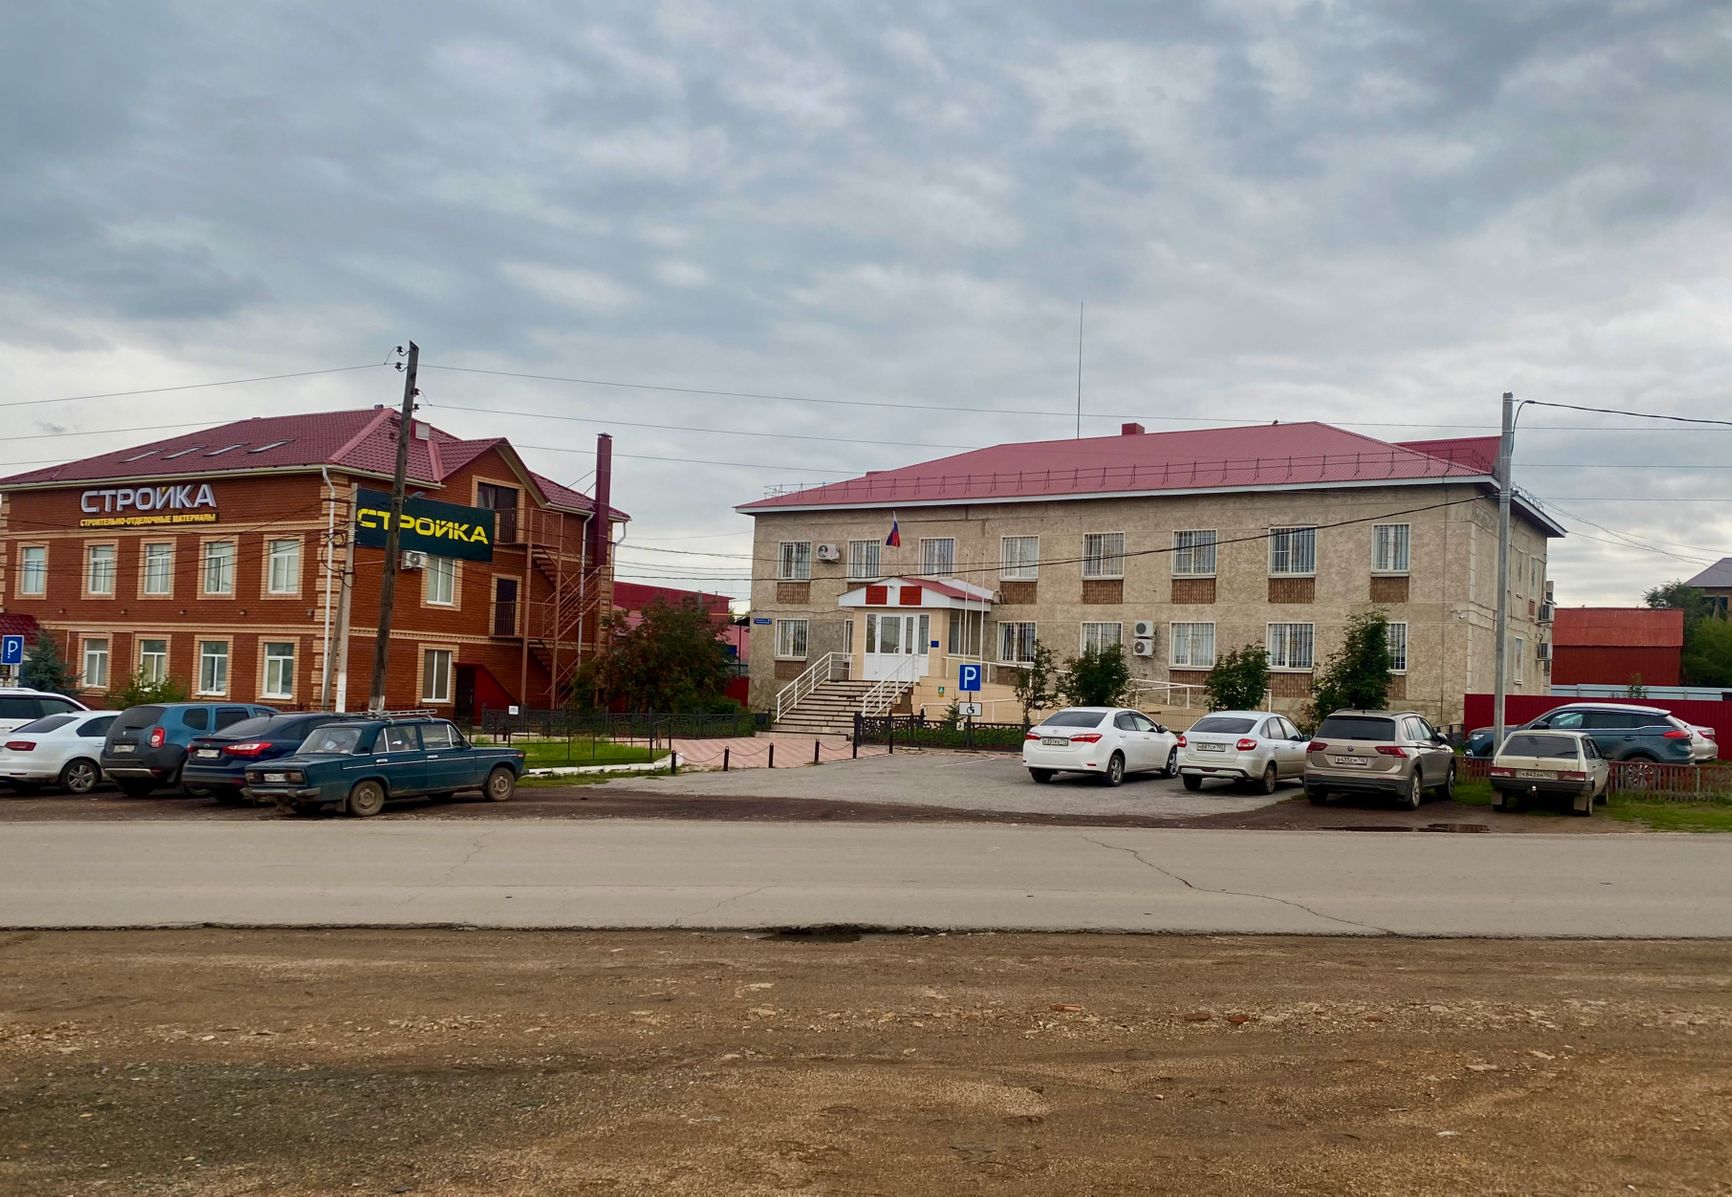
827,710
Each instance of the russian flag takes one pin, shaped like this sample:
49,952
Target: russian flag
894,540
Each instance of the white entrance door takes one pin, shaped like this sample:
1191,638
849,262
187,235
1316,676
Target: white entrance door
891,639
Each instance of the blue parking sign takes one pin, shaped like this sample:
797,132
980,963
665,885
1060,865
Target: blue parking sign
11,650
968,678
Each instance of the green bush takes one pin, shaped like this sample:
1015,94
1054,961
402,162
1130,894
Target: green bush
1097,678
137,690
1239,680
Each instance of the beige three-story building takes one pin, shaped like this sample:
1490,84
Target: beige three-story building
1179,546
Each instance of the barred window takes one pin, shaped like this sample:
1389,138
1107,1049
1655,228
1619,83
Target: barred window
864,558
1193,645
1016,642
1097,637
1292,645
791,639
1103,555
1194,554
1390,548
796,561
1293,551
938,557
1398,647
1021,561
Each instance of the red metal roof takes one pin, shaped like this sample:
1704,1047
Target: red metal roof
1478,452
1264,456
1618,627
634,596
16,623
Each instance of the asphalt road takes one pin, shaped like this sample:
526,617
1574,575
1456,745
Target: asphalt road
642,874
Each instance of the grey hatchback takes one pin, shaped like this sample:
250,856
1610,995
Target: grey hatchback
1379,752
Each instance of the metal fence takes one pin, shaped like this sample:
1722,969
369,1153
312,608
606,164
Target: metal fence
917,731
559,723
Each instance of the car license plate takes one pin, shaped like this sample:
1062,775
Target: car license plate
1055,741
1350,762
1536,775
208,754
1211,748
276,777
119,748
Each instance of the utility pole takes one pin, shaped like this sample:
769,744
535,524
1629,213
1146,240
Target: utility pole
1079,335
1505,450
393,535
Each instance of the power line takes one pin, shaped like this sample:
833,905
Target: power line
1639,415
193,386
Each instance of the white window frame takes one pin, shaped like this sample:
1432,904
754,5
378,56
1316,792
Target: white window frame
439,582
1187,551
285,681
226,657
794,566
1102,562
101,586
33,575
1023,568
1118,636
153,674
1011,628
865,560
207,559
97,647
1183,632
431,691
1280,543
786,631
276,555
1398,660
929,566
1519,654
1281,657
166,560
1399,558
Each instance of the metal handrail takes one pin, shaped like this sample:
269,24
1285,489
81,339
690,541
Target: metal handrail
790,696
880,698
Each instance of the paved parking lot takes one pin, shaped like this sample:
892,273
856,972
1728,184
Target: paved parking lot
967,781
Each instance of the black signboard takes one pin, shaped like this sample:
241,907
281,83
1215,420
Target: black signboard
441,529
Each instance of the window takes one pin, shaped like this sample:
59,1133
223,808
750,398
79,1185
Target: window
159,569
796,561
99,568
438,735
1021,560
399,738
1293,551
153,659
863,558
439,582
283,559
1518,649
938,557
1193,645
1398,647
213,666
279,669
219,567
96,662
1104,555
1016,642
436,675
1099,636
791,639
1194,554
502,500
33,569
1292,645
1389,548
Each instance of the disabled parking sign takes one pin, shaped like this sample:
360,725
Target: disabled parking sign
968,678
11,650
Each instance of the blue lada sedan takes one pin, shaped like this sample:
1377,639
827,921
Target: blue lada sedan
361,765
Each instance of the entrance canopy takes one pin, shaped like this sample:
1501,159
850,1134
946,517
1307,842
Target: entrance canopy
927,593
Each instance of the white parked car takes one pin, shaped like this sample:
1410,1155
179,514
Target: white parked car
58,750
1242,746
19,706
1108,742
1550,764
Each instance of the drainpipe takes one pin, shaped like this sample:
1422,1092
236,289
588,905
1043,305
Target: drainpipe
330,557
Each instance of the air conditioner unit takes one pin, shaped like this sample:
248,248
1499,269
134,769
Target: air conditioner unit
1543,650
1143,648
1143,629
1548,612
412,560
829,552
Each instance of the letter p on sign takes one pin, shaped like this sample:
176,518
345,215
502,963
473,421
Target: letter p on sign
968,678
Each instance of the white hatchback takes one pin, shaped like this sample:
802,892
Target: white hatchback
1108,742
1242,746
58,750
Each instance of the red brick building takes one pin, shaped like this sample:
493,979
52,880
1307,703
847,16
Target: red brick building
1614,645
219,559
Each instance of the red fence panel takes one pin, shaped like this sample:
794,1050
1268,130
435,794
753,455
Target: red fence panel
1519,708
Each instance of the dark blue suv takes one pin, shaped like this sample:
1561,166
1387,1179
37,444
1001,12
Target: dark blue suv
146,746
217,764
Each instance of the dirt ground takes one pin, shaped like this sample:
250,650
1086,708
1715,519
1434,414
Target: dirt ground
301,1063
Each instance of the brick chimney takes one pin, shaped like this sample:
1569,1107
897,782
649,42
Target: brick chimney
601,524
1130,430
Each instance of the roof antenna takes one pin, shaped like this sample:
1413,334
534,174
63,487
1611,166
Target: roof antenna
1079,332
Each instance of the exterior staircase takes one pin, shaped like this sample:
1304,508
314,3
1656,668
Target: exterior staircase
828,710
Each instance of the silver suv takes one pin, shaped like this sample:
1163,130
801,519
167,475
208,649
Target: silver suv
1379,752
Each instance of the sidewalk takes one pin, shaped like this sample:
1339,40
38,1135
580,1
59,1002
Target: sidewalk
753,752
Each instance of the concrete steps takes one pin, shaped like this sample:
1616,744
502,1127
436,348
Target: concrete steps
829,710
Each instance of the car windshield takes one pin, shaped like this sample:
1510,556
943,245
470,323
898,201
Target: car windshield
1356,727
1220,723
333,741
1074,719
46,724
1538,744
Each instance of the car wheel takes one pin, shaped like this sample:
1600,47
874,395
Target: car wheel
1267,785
136,787
1115,773
501,784
366,799
1317,796
1041,775
1640,772
80,776
1192,782
1446,791
1415,792
1172,769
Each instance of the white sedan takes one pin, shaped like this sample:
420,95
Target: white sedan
1254,747
58,750
1108,742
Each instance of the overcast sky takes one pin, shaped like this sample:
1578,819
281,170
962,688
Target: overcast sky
1358,213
